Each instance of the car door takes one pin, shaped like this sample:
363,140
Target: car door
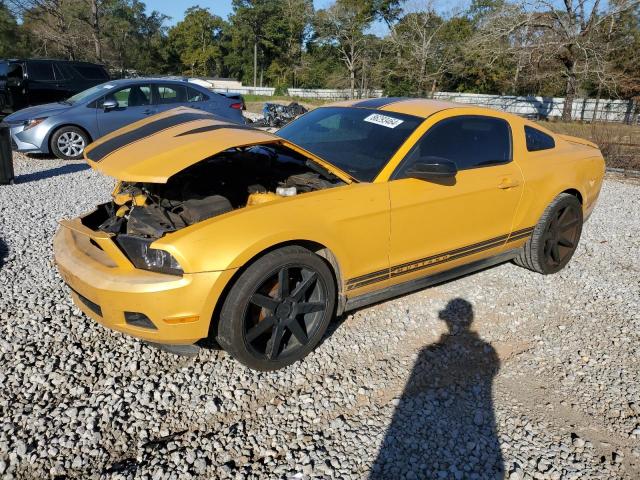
436,225
134,103
63,81
16,86
41,78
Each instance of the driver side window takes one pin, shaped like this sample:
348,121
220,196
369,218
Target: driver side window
469,141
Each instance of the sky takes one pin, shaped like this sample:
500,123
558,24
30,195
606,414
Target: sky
175,9
221,8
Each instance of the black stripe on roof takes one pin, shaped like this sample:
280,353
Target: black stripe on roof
99,152
378,102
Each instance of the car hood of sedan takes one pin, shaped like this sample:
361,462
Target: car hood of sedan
38,111
156,148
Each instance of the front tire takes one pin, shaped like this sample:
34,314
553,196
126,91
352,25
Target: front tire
68,143
278,309
555,237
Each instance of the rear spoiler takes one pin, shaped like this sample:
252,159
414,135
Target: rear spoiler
579,141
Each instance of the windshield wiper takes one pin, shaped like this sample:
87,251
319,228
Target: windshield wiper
320,169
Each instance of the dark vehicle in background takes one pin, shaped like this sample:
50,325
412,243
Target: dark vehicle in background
24,83
65,128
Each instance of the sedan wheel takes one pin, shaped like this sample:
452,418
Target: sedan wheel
278,310
69,143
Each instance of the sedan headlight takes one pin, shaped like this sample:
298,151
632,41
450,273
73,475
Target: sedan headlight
139,251
34,122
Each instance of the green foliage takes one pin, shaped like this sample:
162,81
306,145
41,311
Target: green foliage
197,42
11,41
284,43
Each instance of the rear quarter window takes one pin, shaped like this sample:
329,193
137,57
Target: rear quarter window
42,71
91,72
538,140
194,95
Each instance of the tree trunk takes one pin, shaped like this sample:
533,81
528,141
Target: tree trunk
570,93
594,117
352,74
95,29
636,111
583,109
255,63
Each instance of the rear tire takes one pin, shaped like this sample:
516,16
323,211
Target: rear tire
68,143
278,309
555,237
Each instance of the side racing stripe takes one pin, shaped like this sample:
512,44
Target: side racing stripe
438,259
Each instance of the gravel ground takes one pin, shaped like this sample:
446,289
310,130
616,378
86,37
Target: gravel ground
500,373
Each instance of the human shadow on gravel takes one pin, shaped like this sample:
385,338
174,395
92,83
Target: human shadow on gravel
52,172
444,424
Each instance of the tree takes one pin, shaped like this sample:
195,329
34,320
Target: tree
557,38
197,39
134,39
54,23
256,23
298,15
10,33
343,25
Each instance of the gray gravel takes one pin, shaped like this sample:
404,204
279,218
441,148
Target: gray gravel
501,373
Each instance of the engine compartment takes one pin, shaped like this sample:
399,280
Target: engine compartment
230,180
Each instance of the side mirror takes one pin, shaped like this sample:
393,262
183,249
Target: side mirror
109,104
432,168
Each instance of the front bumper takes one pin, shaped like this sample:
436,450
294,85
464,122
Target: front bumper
29,141
104,286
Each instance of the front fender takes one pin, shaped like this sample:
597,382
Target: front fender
352,221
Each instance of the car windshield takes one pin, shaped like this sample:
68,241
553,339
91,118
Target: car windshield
90,93
357,140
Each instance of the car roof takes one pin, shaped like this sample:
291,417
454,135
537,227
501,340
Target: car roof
57,60
419,107
123,81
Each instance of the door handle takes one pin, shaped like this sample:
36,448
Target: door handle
508,182
148,112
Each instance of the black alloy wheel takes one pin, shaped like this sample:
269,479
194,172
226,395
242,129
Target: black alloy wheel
285,311
561,236
555,238
278,310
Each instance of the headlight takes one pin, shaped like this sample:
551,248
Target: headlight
139,251
34,122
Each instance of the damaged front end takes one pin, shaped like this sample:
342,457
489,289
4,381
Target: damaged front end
142,212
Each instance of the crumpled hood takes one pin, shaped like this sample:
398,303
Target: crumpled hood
156,148
38,111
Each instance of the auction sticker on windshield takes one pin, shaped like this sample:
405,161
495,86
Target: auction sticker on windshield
383,120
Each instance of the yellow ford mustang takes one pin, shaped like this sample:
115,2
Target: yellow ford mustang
257,240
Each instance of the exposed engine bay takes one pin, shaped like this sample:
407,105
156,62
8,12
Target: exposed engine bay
230,180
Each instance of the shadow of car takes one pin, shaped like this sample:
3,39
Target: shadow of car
65,128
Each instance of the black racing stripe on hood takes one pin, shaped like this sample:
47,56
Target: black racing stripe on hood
378,102
98,153
210,128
